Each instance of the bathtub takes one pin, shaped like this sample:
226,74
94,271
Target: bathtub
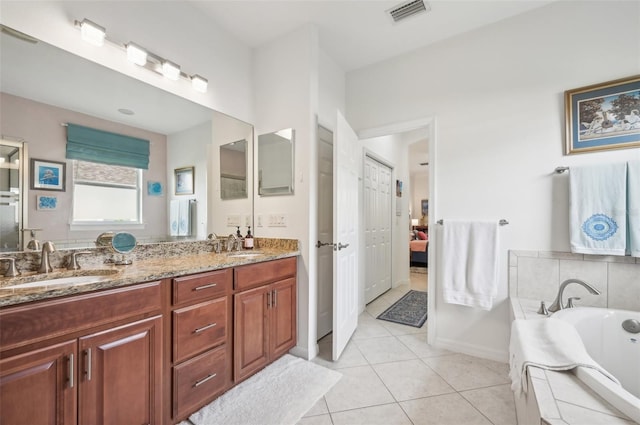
615,349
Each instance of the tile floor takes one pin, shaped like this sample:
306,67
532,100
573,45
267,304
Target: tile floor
392,377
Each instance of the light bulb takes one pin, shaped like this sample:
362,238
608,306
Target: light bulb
170,70
199,83
136,54
92,32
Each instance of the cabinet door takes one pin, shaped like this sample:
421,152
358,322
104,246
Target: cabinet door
251,337
282,320
120,375
39,387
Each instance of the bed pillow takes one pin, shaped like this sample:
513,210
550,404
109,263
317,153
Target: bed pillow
422,235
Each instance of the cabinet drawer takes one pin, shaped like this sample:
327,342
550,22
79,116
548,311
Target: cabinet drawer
22,325
258,274
201,286
199,327
197,380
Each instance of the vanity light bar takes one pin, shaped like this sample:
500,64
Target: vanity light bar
96,34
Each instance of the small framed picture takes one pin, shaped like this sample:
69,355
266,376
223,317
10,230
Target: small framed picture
155,188
48,175
46,203
184,180
603,116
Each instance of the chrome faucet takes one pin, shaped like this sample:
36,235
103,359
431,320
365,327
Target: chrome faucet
45,265
233,241
72,263
217,243
557,304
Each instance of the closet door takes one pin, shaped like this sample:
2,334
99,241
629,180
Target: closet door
377,218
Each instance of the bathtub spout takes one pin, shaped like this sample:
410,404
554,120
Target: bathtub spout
557,303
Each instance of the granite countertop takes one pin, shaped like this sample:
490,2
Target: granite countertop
561,397
142,270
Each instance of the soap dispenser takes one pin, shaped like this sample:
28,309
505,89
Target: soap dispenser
248,240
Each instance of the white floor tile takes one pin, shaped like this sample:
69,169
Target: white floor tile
383,350
417,343
316,420
496,403
351,356
411,379
319,408
388,414
359,387
448,409
464,372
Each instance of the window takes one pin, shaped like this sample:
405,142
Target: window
106,194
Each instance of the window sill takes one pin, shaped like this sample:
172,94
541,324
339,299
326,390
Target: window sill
106,226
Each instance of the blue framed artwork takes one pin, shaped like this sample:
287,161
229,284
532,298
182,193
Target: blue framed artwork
155,189
603,116
46,203
48,175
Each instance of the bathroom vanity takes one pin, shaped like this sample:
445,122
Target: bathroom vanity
151,345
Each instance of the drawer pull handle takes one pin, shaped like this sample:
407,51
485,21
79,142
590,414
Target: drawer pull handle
269,299
204,328
203,380
70,366
275,298
200,288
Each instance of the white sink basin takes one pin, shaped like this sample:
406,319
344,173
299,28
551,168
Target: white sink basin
75,280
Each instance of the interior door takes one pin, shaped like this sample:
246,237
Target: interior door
325,231
345,235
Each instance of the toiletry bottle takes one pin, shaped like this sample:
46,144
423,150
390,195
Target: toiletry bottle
238,234
248,240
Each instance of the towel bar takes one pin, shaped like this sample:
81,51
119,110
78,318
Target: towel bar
502,222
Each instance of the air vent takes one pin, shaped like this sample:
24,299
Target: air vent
407,9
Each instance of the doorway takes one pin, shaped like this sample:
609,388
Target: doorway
12,189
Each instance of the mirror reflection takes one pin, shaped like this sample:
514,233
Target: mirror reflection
233,170
11,156
275,163
37,101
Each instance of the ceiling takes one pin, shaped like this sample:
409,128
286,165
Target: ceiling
357,33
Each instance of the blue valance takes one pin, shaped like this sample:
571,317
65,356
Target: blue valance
89,144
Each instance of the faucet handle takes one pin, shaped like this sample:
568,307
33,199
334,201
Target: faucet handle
543,309
72,264
11,271
570,303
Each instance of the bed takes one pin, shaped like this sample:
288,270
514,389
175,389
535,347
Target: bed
419,252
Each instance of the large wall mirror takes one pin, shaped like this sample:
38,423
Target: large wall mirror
275,163
44,87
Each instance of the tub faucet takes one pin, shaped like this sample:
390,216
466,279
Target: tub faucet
557,304
45,264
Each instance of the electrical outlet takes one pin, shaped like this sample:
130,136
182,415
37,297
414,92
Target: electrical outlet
259,220
247,220
233,220
277,220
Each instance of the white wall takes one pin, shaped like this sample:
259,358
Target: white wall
189,148
497,95
286,96
176,30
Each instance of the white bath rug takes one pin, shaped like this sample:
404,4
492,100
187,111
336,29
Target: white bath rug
278,395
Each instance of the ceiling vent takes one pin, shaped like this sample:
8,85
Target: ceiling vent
407,9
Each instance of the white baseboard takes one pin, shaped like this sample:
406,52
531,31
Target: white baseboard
472,350
303,352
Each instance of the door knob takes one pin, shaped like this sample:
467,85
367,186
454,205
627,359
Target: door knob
340,245
321,244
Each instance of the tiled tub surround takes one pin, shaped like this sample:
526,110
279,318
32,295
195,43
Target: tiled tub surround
537,275
559,398
150,262
534,276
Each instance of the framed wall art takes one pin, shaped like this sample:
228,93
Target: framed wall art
603,116
48,175
184,180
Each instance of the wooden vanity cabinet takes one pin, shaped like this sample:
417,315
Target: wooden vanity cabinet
87,359
264,314
201,340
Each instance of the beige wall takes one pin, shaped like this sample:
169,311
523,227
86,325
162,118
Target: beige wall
40,126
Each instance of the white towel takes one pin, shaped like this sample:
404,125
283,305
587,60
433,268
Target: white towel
470,263
633,204
598,222
180,217
549,344
174,217
184,221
